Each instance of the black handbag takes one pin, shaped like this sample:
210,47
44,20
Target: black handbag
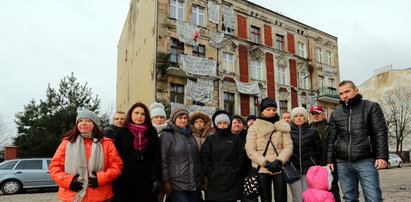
290,173
251,184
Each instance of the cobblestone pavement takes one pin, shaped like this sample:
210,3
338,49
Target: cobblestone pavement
395,185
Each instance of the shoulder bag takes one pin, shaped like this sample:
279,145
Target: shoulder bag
290,173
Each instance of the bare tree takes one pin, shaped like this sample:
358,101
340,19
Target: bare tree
396,105
5,137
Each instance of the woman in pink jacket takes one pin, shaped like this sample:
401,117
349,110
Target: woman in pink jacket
86,162
319,180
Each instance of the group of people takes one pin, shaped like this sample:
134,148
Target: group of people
146,157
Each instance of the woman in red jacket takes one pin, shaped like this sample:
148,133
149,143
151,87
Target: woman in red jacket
86,162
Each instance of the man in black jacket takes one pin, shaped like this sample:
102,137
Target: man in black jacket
319,122
357,144
118,122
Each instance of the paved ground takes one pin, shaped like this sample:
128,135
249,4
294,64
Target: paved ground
395,185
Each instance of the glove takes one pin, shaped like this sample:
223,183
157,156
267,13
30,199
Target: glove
75,185
167,187
92,181
157,187
274,167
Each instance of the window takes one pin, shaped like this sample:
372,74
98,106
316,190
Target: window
301,49
319,54
283,106
255,34
228,62
199,51
176,93
329,58
303,80
226,30
256,70
197,17
320,81
177,9
229,101
176,49
331,82
281,75
256,104
279,42
30,164
8,165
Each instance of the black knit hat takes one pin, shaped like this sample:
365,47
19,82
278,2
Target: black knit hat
251,117
238,117
267,102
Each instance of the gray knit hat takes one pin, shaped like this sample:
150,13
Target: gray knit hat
299,110
85,113
177,111
157,109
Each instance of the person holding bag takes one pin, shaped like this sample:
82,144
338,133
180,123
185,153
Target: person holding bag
269,127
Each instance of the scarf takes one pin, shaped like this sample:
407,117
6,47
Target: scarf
140,140
351,102
160,127
272,119
76,163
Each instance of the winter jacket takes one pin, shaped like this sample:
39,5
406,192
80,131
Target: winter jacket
306,147
180,158
357,131
111,170
201,135
140,169
257,138
319,182
111,131
323,129
222,157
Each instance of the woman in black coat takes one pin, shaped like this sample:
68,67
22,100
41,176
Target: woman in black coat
222,155
306,149
139,148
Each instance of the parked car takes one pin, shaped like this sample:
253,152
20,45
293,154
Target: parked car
394,160
19,174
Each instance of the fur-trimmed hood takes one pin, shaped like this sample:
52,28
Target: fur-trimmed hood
266,127
207,123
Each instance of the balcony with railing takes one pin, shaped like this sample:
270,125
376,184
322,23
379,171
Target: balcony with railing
328,94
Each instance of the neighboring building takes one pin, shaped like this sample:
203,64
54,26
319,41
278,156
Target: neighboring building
262,54
384,80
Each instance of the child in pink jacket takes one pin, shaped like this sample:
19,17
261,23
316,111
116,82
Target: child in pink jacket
319,182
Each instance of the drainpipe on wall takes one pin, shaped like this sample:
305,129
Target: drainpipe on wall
155,49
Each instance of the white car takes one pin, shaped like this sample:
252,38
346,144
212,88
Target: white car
19,174
394,161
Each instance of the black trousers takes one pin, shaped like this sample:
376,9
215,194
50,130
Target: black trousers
280,187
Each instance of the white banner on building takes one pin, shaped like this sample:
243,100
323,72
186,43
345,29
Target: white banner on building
250,88
186,32
216,39
195,108
202,91
229,17
213,12
328,71
198,65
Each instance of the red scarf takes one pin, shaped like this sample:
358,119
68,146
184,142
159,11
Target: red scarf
140,140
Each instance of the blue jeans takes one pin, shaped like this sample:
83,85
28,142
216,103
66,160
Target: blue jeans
185,196
363,171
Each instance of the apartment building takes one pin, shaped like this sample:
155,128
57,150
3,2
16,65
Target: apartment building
223,54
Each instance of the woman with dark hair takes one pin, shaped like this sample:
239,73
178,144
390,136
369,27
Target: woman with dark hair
267,129
222,156
86,162
139,148
180,159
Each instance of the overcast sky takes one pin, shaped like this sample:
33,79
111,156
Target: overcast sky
44,40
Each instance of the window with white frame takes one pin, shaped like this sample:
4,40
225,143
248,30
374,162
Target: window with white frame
320,81
197,17
319,54
301,49
283,106
329,58
199,51
228,62
256,70
331,82
229,101
281,75
303,80
279,42
255,34
176,49
177,9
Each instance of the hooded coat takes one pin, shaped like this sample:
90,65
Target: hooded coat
257,138
200,135
222,155
319,182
